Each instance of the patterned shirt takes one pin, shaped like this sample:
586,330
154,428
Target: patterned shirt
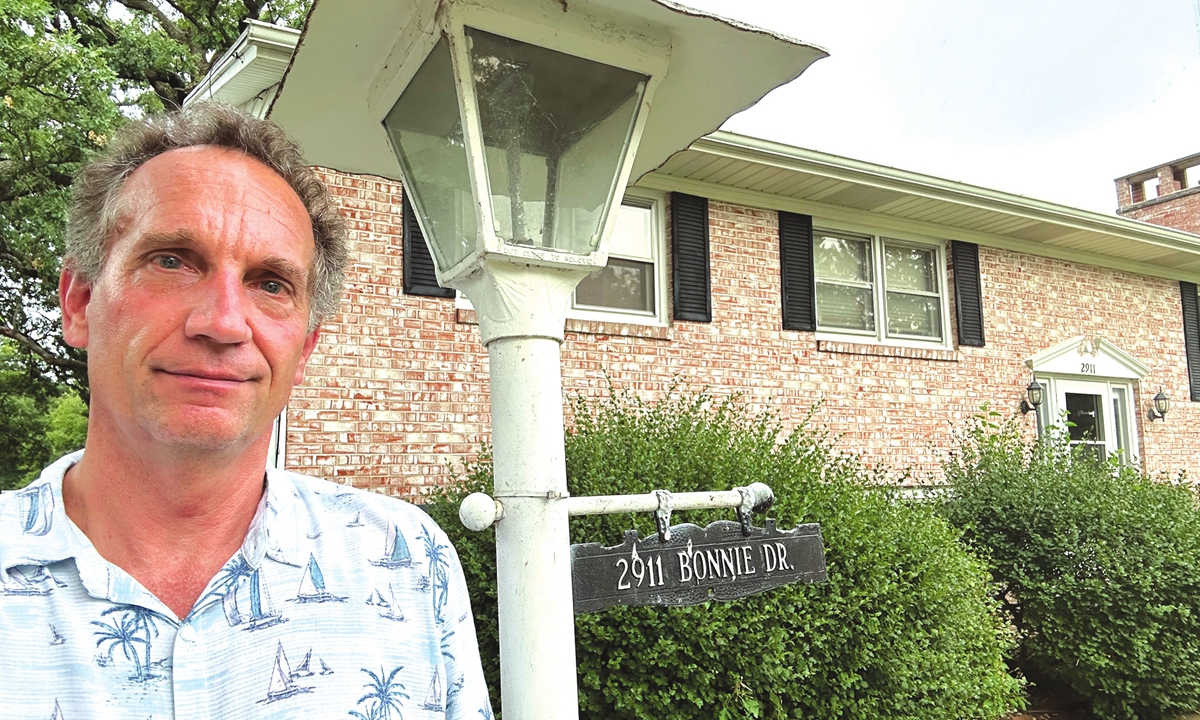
340,603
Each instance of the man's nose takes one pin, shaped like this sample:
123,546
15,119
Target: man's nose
220,311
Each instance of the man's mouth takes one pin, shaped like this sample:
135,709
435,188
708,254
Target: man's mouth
207,375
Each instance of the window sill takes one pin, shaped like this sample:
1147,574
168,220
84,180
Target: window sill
902,351
591,327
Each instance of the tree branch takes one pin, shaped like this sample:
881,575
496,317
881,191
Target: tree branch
168,25
47,357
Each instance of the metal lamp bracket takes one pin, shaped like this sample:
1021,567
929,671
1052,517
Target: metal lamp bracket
662,516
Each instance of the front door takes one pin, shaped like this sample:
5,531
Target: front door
1094,414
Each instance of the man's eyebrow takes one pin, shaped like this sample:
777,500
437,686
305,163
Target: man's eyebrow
160,240
286,269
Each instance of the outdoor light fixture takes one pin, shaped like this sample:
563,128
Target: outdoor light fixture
516,126
1159,409
1034,394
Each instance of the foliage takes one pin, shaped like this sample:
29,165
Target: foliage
39,421
902,629
70,72
1098,567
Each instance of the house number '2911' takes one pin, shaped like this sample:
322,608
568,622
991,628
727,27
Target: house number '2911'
1087,368
640,569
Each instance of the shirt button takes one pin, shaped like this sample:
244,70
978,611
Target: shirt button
187,633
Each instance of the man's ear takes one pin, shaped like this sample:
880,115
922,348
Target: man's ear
74,294
310,342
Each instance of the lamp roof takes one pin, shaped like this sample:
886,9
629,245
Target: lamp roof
332,99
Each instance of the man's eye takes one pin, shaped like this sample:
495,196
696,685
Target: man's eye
169,262
273,287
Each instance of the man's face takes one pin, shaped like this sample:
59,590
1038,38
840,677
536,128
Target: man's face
196,328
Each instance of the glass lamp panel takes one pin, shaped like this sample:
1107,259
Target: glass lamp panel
843,258
845,307
626,285
918,315
556,129
427,135
910,269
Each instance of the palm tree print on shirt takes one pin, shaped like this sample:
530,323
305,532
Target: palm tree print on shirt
383,696
136,626
439,572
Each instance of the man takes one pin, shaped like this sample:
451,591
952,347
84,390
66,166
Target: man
160,572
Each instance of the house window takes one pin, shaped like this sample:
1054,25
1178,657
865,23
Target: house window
630,287
879,288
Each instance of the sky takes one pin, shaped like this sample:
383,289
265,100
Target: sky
1051,99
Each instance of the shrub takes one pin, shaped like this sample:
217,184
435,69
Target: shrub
902,629
1099,568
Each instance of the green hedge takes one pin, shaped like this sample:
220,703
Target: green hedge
902,629
1099,568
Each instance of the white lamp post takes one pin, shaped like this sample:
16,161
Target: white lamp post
515,124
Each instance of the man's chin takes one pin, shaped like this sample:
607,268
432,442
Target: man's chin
211,435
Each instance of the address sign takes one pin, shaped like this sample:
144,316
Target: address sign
718,562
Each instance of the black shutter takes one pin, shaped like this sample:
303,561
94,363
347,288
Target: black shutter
968,293
796,272
420,278
1191,335
689,258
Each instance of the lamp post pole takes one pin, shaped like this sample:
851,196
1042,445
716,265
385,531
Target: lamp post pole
521,320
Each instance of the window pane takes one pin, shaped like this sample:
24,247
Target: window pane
910,269
1085,413
633,235
1121,425
914,315
850,308
626,285
839,258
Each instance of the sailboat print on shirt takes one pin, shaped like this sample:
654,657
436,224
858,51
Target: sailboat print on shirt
312,585
395,550
282,685
37,505
14,582
57,712
262,613
302,670
392,609
433,699
58,638
357,521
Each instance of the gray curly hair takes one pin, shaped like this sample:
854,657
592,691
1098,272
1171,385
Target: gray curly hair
96,194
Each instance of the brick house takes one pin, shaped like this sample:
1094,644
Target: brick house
900,302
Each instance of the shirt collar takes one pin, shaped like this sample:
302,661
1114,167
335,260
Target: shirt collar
278,530
34,529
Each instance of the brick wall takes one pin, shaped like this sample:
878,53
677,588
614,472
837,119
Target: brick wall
397,387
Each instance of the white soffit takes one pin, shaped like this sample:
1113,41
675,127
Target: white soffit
1088,356
250,68
745,170
718,68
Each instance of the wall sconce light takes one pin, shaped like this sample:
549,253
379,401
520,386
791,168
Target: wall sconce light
1034,394
1159,409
